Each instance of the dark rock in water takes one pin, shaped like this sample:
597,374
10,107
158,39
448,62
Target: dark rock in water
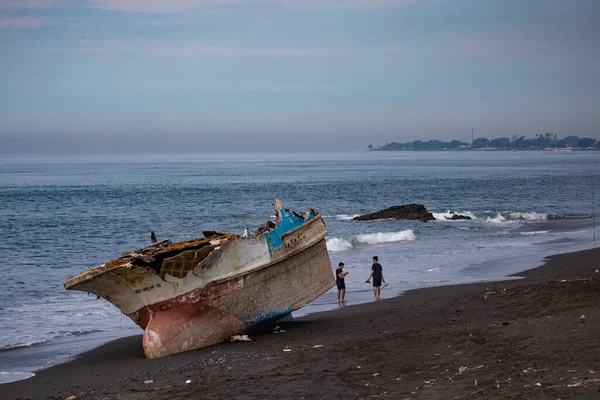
408,211
458,216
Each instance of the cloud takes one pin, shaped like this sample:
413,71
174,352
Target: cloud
161,48
23,4
176,6
273,88
20,22
171,49
224,51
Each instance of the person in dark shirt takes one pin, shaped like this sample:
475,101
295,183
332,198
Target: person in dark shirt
377,275
339,281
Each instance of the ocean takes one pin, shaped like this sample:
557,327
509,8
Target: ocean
62,215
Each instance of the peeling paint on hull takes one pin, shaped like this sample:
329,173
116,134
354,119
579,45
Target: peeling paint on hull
206,290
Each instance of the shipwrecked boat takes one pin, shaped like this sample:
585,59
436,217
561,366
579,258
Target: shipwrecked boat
200,292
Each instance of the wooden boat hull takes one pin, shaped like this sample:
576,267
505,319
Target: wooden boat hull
198,293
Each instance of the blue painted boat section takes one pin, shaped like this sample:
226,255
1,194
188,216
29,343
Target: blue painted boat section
289,222
262,317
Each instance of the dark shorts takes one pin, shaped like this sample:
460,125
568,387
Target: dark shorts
377,282
340,285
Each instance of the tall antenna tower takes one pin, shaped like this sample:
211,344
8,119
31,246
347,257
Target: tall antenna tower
472,137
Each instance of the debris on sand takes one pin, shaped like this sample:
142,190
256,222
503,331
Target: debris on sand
240,338
583,383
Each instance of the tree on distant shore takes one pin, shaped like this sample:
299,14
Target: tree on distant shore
500,143
585,142
480,143
424,146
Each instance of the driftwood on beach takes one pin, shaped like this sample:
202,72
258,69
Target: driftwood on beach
408,211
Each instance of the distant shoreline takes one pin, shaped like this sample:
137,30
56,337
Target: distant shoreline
541,142
563,150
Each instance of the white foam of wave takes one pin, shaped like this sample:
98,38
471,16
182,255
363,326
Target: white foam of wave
497,219
346,217
534,233
338,244
7,377
67,314
26,343
516,216
528,216
386,237
447,216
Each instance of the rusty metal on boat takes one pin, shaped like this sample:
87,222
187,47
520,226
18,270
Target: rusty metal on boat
202,291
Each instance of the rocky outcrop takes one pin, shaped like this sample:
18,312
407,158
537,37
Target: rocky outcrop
455,216
408,211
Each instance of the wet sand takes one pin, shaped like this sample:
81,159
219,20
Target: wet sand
517,339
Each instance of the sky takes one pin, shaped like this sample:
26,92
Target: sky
292,75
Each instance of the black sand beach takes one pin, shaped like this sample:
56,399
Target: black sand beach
514,339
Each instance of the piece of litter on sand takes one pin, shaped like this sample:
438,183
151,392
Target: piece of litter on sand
376,373
582,318
188,381
149,381
240,338
358,366
538,384
316,346
71,397
585,382
277,329
163,387
287,348
462,369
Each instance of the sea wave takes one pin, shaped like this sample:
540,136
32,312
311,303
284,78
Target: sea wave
12,376
386,237
23,344
515,216
528,216
48,337
447,216
72,315
498,218
338,244
346,217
